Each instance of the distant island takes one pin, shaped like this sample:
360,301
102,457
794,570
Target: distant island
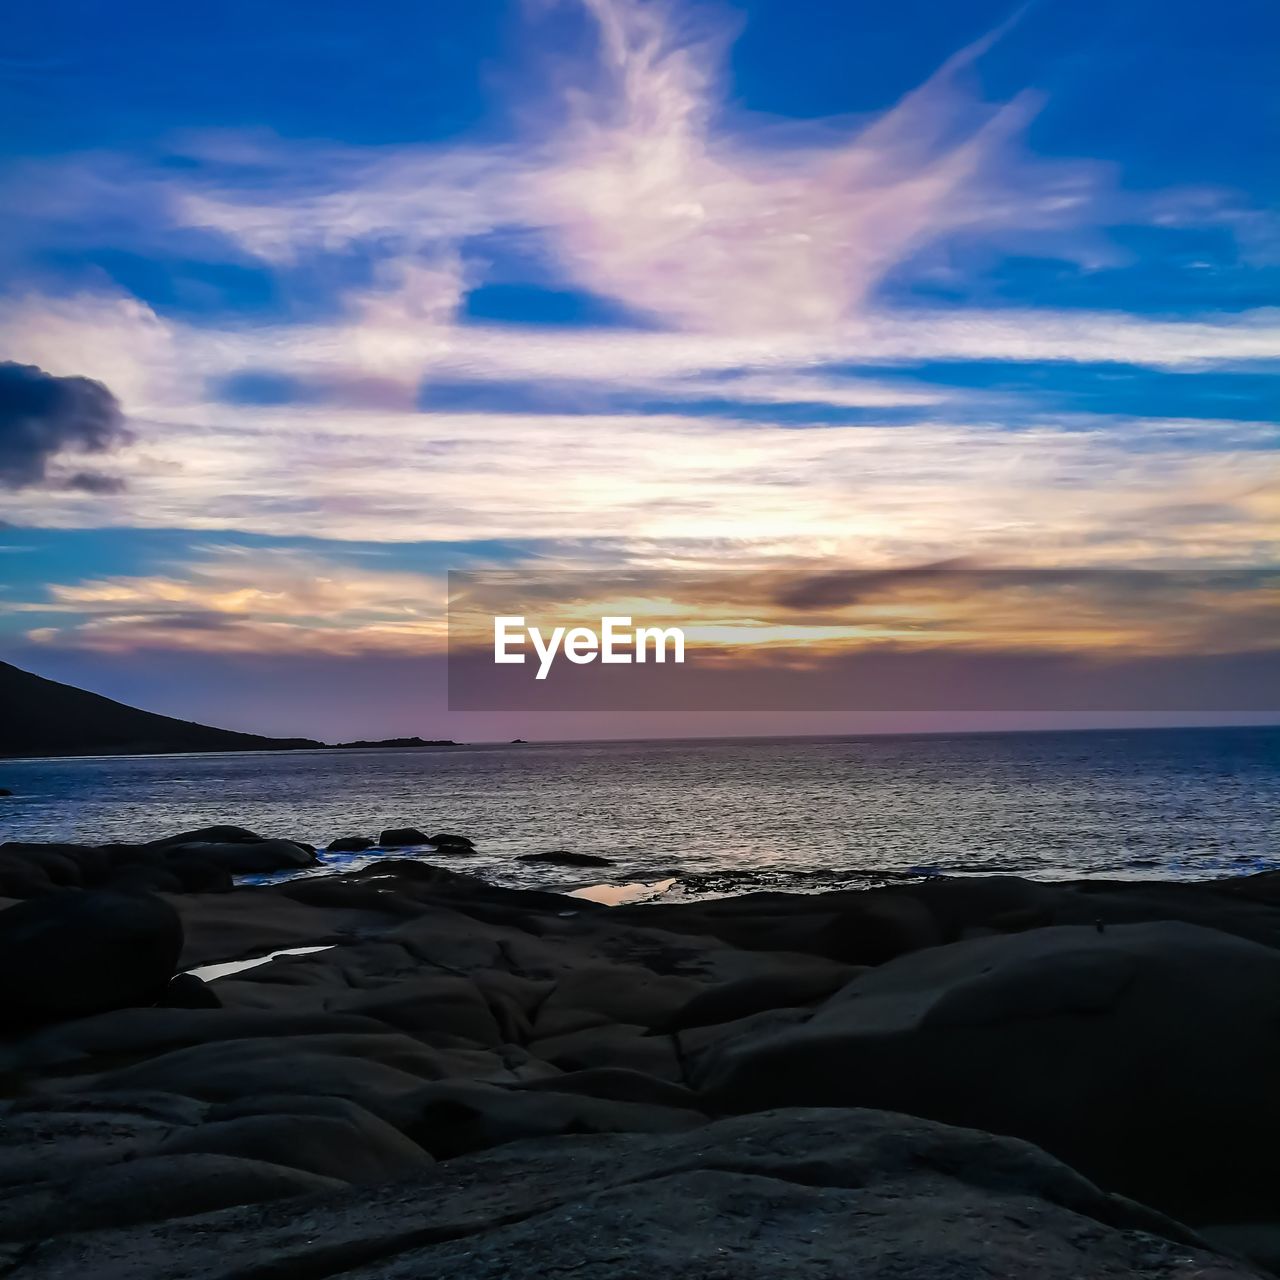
46,718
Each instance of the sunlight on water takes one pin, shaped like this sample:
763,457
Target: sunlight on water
723,816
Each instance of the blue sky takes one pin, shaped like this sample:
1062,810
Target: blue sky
379,292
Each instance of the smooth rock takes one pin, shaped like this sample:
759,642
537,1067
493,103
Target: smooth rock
337,1140
402,837
566,858
80,952
244,857
790,1195
349,844
1143,1055
448,840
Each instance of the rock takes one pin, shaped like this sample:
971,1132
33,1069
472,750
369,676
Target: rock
1143,1055
402,837
447,841
150,1190
349,844
333,1137
141,878
80,952
791,1195
735,1000
223,834
456,1117
619,1085
428,1008
377,1070
566,858
186,991
882,927
47,1138
4,791
243,857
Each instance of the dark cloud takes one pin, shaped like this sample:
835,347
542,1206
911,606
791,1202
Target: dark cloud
43,416
844,587
94,482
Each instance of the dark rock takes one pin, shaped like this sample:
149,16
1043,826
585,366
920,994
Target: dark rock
1143,1055
186,991
454,1117
376,1070
402,837
735,1000
792,1195
881,928
81,952
446,840
349,844
244,857
333,1137
619,1085
221,834
141,878
566,858
196,875
4,791
151,1190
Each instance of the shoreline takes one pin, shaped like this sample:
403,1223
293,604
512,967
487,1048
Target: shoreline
1107,1045
393,745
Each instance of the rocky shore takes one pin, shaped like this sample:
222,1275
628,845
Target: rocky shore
950,1079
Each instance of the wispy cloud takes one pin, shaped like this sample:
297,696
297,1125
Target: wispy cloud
757,251
232,600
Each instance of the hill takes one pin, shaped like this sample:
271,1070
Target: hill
40,717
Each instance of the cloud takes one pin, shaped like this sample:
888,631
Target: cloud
237,600
651,200
43,417
756,250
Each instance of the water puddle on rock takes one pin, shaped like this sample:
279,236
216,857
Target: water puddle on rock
208,972
621,895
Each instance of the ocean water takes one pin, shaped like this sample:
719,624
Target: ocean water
719,816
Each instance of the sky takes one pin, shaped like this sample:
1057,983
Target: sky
303,306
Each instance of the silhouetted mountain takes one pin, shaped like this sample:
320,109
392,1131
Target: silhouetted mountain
40,717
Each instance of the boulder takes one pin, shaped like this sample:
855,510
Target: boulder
349,844
879,928
402,837
224,833
566,858
1143,1055
4,791
243,857
84,951
448,840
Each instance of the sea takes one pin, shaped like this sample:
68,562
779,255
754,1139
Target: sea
696,818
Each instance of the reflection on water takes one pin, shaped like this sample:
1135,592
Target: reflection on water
208,972
618,895
724,816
